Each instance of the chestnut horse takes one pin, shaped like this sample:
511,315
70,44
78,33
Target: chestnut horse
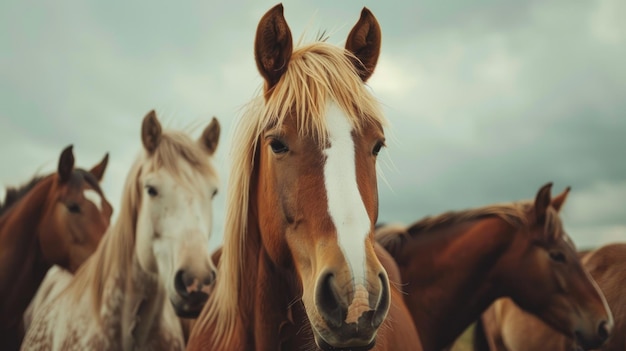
299,266
55,219
456,264
152,261
509,328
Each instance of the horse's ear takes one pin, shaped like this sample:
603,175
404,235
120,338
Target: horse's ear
150,132
66,164
542,202
98,170
273,46
364,42
211,136
557,201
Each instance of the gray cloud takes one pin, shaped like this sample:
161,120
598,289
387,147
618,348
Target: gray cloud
488,100
493,111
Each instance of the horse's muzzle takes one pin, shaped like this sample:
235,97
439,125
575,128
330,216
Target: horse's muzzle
192,293
351,325
599,337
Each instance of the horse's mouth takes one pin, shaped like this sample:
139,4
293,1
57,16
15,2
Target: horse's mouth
347,337
583,343
327,347
191,305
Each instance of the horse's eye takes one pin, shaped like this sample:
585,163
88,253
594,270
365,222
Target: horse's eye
278,147
379,145
214,193
151,191
73,208
557,256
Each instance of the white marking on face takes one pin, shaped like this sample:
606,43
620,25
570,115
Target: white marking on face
360,304
345,204
568,240
174,227
94,197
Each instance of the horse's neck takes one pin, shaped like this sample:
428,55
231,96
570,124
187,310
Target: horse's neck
271,314
132,299
280,322
457,280
22,266
144,301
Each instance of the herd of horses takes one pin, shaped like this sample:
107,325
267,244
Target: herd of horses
304,264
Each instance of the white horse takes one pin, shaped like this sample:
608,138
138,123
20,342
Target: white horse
154,262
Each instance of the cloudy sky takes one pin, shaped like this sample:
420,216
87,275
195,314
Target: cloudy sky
488,100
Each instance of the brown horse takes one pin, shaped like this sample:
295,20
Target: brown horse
299,266
55,219
152,264
385,259
507,327
456,264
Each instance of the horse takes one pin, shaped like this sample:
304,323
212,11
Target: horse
54,219
55,281
153,262
299,266
454,265
507,327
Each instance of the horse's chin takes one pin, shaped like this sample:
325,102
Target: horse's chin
189,306
587,343
336,340
325,346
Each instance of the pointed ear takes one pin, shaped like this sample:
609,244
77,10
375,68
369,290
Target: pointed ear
211,136
364,42
66,164
273,46
557,201
150,132
542,202
98,170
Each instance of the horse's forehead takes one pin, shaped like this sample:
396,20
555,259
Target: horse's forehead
182,173
566,238
78,183
317,132
95,198
556,226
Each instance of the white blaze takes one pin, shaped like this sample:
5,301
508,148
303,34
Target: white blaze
94,197
345,204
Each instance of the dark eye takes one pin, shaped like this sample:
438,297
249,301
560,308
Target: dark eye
214,193
151,191
557,256
376,150
73,207
278,147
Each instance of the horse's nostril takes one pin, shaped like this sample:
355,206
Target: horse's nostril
604,330
210,279
179,283
328,301
383,305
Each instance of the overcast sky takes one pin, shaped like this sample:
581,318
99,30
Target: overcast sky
488,100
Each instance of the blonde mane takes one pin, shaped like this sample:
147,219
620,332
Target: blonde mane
114,256
317,74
